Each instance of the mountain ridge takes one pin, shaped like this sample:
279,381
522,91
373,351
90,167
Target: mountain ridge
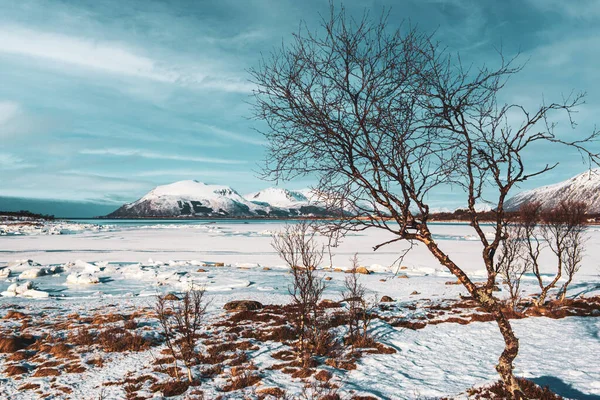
192,198
582,187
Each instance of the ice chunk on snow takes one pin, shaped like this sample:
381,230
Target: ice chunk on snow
17,290
22,264
35,294
82,279
33,273
4,273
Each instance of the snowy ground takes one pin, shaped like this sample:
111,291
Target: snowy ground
121,267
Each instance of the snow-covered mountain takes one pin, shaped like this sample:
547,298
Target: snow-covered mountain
190,198
583,187
196,199
283,202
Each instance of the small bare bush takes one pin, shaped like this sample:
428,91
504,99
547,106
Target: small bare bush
298,247
360,311
180,322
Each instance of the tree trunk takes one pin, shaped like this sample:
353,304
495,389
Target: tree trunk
540,301
491,305
563,291
511,346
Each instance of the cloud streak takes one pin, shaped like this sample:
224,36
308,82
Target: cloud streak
110,57
118,152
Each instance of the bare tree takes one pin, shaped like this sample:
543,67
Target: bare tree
386,117
513,260
529,217
180,321
562,229
298,247
360,311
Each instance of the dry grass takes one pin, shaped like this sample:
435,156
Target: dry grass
117,340
497,391
41,372
15,370
241,381
171,388
11,344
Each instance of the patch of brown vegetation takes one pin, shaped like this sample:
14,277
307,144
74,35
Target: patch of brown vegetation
96,362
242,380
74,368
60,350
498,391
270,391
171,388
41,372
11,344
15,370
103,319
341,364
29,386
323,375
303,373
20,355
118,340
12,314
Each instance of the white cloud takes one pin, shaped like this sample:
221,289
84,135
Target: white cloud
111,57
159,156
12,162
583,9
223,133
8,111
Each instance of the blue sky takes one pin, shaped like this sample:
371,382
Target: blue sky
102,100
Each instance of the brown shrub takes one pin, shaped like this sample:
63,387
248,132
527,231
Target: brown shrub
498,391
11,344
241,381
171,388
13,370
303,373
29,386
12,314
46,372
49,364
238,359
60,350
214,370
100,319
285,355
82,337
323,375
341,364
20,355
96,362
270,391
117,340
74,368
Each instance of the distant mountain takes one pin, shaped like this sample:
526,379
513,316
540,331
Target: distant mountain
583,187
283,202
196,199
58,208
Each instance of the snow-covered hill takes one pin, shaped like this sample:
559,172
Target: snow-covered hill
196,199
190,198
583,187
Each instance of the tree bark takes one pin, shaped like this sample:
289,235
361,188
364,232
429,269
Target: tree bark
491,305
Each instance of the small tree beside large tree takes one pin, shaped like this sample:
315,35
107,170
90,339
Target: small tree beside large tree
383,118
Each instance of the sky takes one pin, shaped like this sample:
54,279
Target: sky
100,101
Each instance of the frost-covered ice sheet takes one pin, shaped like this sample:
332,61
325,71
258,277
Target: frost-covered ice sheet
127,265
